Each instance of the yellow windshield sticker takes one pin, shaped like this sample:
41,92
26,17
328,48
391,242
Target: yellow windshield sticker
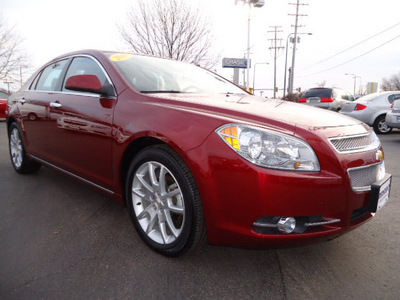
121,57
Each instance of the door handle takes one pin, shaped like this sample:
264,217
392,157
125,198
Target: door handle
22,101
55,105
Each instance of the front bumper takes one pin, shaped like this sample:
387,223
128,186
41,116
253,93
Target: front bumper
238,196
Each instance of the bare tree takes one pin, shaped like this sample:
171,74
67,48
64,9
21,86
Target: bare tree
12,58
391,84
169,28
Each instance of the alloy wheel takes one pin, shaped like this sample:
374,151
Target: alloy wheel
383,127
158,202
16,148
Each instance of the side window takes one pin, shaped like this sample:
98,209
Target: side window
335,94
391,98
34,82
87,66
50,75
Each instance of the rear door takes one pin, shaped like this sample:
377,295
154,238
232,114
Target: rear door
34,107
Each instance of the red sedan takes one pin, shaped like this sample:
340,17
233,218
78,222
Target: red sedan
3,108
193,156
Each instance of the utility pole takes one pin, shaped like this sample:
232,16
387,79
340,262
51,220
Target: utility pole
296,26
275,47
8,82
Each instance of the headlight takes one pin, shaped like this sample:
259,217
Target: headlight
270,149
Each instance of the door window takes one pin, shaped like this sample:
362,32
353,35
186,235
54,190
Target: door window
87,66
50,76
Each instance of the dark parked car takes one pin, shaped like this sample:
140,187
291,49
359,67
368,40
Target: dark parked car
193,156
329,98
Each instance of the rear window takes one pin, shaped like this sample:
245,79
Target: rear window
368,98
321,93
393,97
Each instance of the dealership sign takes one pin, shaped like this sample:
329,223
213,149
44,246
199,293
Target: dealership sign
234,63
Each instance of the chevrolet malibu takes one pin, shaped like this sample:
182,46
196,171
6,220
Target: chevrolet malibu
194,157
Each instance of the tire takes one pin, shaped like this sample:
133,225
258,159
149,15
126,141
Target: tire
164,202
32,116
380,126
19,159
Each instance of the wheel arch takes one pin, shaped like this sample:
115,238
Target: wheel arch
377,116
10,120
138,145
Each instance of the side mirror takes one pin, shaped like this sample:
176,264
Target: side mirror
87,83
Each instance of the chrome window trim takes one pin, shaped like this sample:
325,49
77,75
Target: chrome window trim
92,95
74,93
40,73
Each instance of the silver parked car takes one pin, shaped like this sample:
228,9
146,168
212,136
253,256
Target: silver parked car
372,109
393,116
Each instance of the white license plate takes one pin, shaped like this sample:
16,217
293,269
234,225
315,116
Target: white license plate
384,193
314,100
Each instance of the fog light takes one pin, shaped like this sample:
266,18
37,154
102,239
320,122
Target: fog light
287,225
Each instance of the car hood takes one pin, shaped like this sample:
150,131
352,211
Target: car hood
254,109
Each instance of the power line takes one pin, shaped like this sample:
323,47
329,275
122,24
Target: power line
359,43
354,58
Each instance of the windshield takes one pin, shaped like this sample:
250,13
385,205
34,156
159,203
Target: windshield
156,75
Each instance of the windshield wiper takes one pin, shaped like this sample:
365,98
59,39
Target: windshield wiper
162,91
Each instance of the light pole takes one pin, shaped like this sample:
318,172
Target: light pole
254,74
355,81
255,3
287,46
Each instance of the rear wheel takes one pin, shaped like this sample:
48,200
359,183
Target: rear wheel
380,125
164,201
20,161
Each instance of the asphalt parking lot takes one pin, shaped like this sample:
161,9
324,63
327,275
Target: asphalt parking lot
60,239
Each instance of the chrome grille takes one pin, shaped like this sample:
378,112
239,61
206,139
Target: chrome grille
353,143
361,178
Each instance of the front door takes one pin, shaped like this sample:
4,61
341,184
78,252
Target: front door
82,126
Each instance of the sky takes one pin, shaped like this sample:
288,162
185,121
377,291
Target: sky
50,28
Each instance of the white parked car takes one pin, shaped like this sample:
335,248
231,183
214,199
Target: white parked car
372,109
393,116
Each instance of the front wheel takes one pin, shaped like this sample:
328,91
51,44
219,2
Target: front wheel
380,125
164,201
20,161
